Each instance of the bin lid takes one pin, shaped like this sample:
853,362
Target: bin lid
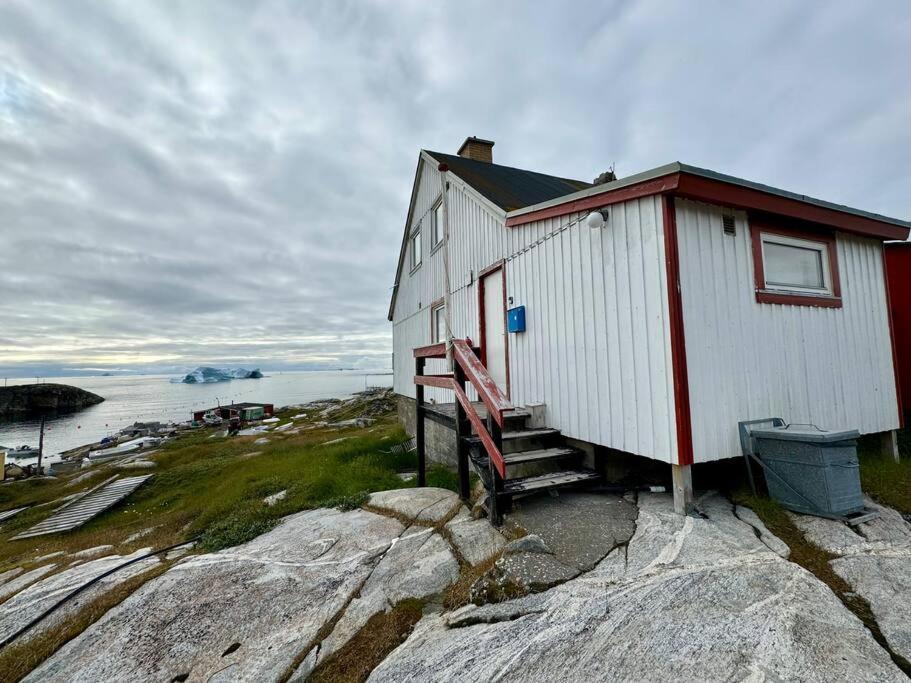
805,433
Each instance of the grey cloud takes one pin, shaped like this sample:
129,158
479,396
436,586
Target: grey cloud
227,181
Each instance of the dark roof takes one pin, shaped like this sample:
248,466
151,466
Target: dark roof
507,187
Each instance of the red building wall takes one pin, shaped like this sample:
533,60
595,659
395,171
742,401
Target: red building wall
898,280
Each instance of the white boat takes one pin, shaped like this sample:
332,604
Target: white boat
126,447
22,452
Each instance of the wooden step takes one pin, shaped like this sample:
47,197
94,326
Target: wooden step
516,435
529,433
537,455
548,481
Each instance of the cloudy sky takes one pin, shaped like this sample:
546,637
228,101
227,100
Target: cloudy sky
187,182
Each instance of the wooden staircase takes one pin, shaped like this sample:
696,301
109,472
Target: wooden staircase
512,458
536,459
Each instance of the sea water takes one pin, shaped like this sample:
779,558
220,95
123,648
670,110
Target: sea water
149,398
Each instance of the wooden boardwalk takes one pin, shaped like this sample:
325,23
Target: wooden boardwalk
81,510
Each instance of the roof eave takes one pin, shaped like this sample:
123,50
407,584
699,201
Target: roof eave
705,185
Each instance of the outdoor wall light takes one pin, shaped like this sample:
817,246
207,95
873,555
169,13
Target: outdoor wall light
596,219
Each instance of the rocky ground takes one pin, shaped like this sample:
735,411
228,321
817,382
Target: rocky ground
610,588
875,559
27,399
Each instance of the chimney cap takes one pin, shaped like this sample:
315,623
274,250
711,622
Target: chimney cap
471,139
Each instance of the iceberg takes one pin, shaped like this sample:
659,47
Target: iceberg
207,375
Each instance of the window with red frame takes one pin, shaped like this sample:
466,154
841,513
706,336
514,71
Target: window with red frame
795,267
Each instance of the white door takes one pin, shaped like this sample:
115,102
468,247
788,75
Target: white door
493,336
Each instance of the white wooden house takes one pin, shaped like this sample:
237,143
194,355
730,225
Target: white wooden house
660,309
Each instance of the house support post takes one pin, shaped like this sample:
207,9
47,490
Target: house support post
888,444
683,488
462,430
497,499
419,423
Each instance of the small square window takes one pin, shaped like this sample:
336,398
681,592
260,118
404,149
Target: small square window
796,265
416,249
438,323
437,222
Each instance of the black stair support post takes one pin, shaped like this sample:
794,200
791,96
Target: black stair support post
497,500
419,423
462,430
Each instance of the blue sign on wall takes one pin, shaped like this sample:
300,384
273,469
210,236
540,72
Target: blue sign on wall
515,319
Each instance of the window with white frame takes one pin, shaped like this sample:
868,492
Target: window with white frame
416,248
793,264
438,323
437,221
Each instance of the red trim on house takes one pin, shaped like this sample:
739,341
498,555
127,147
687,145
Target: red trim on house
767,296
482,327
443,381
496,265
888,278
798,300
683,184
643,189
431,351
678,341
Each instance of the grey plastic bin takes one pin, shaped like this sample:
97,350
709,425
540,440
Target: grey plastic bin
820,469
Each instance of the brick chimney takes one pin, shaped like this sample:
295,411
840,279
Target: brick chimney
477,149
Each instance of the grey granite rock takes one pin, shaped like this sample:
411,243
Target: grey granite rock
419,565
16,584
532,543
273,597
92,552
10,574
476,540
688,599
875,559
579,528
36,598
534,571
429,505
269,501
775,544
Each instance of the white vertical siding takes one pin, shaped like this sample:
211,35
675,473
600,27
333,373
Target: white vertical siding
477,239
597,346
827,366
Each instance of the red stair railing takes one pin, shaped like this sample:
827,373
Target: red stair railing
467,367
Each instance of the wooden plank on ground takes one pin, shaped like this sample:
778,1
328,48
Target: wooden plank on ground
6,514
80,512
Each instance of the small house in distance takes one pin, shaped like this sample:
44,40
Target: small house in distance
645,315
245,412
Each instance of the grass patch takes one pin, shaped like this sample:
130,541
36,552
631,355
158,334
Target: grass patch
240,526
346,503
459,593
363,653
442,477
886,481
18,659
816,560
213,488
